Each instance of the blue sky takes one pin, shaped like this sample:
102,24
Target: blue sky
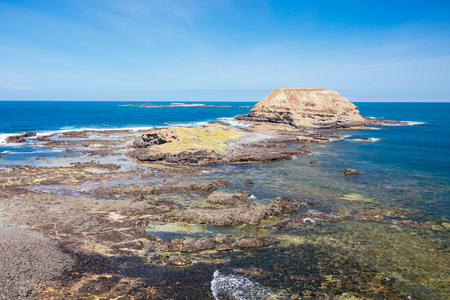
223,50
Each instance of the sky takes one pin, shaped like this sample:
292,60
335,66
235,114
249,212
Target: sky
397,50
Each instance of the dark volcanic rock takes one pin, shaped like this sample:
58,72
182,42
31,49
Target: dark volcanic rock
185,186
201,157
159,137
190,244
228,198
219,123
251,214
16,139
42,139
74,135
179,260
350,171
99,286
29,134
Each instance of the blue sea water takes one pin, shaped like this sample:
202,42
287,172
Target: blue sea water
402,160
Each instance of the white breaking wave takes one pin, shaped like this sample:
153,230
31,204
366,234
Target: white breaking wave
411,123
406,123
369,140
239,287
3,137
315,153
233,122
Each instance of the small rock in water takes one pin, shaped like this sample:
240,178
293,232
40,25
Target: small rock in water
249,182
179,260
224,247
222,238
310,201
350,171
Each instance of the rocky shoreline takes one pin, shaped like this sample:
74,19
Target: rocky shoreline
93,209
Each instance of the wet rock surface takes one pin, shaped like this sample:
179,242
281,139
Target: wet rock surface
251,214
228,198
186,186
16,139
350,171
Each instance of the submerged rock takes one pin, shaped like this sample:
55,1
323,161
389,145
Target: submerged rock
350,171
305,107
254,242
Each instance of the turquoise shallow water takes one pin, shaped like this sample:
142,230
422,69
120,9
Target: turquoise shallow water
404,169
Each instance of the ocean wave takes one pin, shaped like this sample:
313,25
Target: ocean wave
412,123
198,123
233,122
315,153
239,287
3,137
406,123
32,152
367,140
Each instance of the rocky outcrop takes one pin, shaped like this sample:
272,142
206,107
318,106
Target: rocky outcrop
305,107
251,214
228,198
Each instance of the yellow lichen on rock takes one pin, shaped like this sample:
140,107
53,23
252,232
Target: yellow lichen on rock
198,138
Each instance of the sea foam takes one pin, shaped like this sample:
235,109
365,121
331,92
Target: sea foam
238,287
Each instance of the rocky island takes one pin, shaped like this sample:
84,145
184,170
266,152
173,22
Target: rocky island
308,107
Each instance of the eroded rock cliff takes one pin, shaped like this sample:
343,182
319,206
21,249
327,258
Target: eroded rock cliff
305,107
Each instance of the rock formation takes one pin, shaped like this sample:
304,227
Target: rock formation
305,107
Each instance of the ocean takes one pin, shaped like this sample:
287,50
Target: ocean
405,169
